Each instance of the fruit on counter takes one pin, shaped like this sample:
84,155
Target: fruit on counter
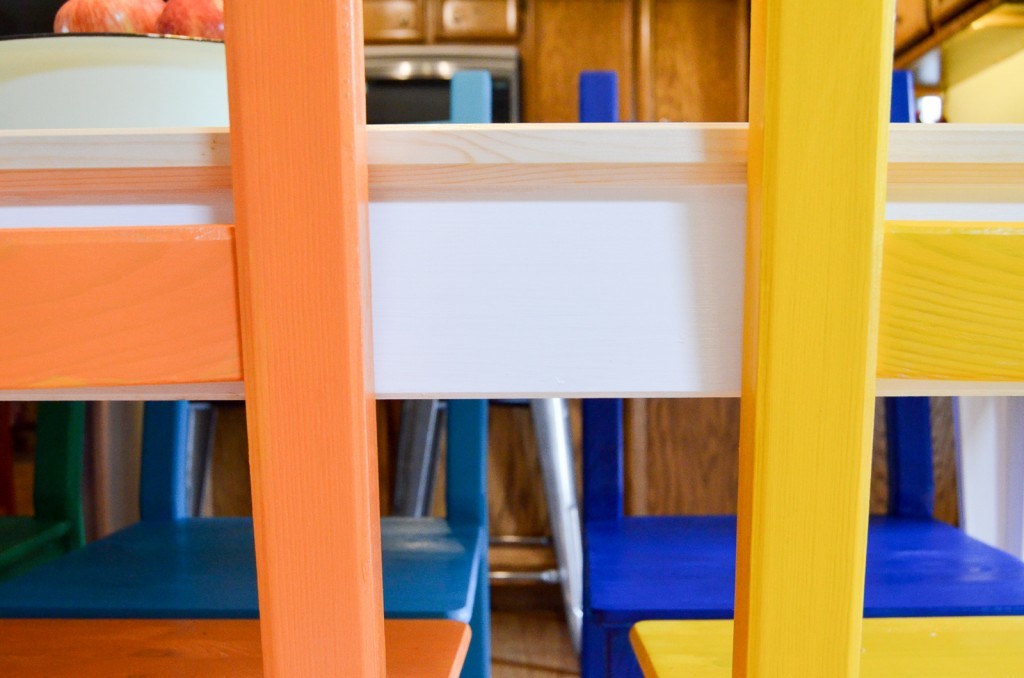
194,18
108,16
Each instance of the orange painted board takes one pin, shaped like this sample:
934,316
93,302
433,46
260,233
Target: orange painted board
152,648
118,306
299,171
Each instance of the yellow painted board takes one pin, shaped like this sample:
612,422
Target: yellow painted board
937,647
952,301
817,149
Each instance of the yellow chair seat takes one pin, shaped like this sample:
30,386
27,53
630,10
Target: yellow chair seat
938,647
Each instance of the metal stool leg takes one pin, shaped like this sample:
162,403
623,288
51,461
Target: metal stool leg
419,439
554,440
202,423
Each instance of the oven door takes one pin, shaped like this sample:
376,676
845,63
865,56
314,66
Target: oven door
408,84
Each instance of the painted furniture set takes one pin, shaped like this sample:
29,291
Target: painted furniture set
481,289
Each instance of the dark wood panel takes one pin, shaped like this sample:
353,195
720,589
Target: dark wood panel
478,20
562,38
230,473
911,22
691,456
698,61
516,500
393,21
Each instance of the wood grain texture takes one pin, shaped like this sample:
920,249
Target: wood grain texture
394,20
296,93
151,648
229,477
698,62
691,458
911,22
562,38
119,307
816,200
531,644
114,148
478,20
691,453
452,162
950,647
964,285
514,481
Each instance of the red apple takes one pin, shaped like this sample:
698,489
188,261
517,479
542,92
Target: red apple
108,16
194,18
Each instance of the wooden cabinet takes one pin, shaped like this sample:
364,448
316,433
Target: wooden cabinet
394,21
562,38
478,20
911,22
692,58
944,10
677,60
429,21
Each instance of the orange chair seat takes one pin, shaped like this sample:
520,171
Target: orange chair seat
158,648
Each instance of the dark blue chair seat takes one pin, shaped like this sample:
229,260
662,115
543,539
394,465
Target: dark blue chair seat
206,568
683,567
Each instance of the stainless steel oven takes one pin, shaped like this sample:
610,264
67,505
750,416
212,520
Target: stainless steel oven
410,83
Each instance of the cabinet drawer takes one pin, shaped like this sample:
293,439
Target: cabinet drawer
483,19
911,22
943,10
393,20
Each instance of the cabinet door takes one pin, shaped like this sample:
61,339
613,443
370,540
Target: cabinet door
393,21
478,20
911,22
943,10
564,37
692,60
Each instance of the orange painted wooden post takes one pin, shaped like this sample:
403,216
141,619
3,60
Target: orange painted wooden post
296,93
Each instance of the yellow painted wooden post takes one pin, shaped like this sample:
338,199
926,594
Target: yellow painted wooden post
820,78
298,149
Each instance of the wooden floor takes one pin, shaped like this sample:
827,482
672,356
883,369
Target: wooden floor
528,633
531,644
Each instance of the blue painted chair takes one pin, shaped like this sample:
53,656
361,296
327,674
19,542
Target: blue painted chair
683,567
170,565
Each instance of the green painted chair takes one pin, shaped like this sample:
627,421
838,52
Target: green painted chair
56,526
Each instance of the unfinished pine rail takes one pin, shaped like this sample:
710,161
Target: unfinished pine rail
536,260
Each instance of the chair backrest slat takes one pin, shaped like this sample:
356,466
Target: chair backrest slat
467,430
603,441
165,433
908,428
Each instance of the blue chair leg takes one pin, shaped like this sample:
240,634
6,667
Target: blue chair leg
593,659
478,660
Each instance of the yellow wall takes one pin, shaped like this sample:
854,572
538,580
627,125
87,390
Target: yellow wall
996,94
